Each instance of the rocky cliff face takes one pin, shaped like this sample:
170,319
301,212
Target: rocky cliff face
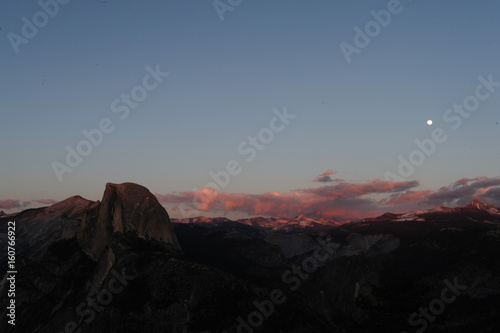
125,208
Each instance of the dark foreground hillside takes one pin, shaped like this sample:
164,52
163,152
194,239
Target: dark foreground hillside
120,265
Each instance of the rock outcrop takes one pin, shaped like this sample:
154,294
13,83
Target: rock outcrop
125,208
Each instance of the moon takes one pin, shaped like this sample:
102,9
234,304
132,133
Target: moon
429,122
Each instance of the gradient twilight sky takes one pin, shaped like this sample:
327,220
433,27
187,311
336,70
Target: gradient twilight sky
225,79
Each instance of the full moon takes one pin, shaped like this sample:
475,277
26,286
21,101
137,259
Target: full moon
429,122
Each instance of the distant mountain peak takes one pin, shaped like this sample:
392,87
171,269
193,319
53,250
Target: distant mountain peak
300,222
303,218
70,207
385,216
480,205
443,209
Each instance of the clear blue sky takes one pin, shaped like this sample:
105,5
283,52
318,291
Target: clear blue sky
226,77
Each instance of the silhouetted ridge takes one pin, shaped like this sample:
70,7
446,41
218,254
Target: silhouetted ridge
71,207
475,210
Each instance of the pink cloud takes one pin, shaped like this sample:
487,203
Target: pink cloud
343,200
9,204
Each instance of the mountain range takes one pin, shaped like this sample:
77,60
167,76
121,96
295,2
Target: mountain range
122,265
276,224
475,210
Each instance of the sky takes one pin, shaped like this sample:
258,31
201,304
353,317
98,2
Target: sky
237,108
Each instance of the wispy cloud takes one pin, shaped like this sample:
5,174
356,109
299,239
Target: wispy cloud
325,177
407,197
